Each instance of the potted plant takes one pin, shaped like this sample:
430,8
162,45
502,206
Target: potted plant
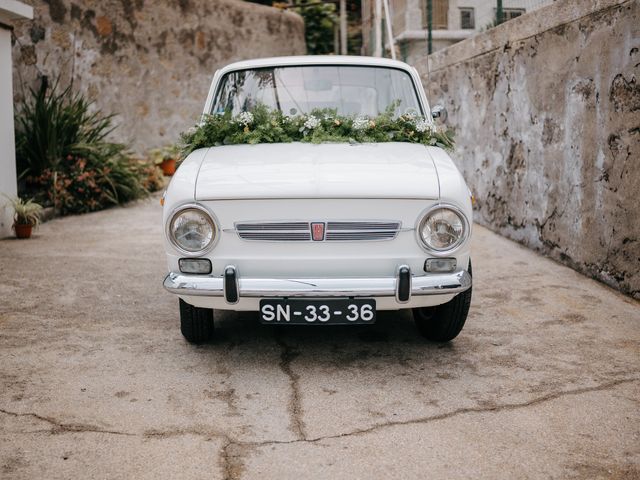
26,216
166,158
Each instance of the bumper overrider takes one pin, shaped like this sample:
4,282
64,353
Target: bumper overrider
232,286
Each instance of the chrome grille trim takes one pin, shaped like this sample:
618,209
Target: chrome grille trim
360,236
335,231
393,226
274,231
271,236
271,226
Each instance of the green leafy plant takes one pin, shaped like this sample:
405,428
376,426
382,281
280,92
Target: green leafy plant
151,176
55,123
26,212
168,152
64,157
81,188
262,125
319,23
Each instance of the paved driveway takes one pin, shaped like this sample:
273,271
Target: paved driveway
97,382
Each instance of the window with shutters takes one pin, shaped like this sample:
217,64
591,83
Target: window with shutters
510,13
440,14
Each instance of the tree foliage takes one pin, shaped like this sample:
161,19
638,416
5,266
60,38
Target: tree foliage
319,23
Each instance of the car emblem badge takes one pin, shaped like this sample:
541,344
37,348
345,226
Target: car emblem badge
317,232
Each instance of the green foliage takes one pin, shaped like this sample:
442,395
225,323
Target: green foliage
53,124
263,125
168,152
151,176
319,24
64,157
26,212
81,187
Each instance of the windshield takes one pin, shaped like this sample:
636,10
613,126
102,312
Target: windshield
298,90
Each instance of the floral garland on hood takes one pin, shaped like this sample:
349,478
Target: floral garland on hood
264,125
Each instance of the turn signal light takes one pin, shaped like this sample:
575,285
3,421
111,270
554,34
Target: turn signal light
195,265
440,265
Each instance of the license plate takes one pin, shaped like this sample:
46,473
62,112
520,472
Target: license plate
317,312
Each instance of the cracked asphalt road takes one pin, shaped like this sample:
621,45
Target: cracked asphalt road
97,382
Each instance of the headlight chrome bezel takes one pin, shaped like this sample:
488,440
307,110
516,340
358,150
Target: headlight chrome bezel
214,222
422,218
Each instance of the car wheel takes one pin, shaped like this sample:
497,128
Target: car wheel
196,324
444,322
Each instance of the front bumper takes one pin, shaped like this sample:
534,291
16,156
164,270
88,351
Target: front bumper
234,287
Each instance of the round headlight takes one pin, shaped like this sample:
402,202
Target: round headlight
442,229
192,230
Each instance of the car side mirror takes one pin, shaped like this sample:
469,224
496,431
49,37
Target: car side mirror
438,112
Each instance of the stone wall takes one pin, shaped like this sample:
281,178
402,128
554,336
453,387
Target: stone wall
149,62
546,110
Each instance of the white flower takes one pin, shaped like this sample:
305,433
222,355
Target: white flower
422,126
361,123
191,130
410,115
245,118
312,122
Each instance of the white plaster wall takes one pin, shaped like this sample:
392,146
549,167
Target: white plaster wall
7,142
485,10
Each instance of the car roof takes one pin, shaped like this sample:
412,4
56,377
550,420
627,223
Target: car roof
316,60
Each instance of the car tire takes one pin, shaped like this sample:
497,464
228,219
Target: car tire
443,323
196,324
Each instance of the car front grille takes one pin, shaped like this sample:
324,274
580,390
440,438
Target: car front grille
334,231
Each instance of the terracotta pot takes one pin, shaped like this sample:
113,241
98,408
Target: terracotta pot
168,167
22,230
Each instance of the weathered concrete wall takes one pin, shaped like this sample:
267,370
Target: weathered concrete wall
150,62
546,110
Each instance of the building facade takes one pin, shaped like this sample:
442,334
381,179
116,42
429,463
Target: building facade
10,12
452,21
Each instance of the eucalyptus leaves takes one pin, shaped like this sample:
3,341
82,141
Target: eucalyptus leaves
262,125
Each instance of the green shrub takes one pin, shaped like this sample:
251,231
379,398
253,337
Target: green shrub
80,188
53,124
319,23
152,177
168,152
64,158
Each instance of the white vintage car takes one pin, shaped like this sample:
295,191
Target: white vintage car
323,233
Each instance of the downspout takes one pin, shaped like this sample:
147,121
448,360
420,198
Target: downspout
389,33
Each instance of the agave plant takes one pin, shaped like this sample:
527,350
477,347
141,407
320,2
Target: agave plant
55,123
64,157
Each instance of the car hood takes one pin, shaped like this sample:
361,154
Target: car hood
328,170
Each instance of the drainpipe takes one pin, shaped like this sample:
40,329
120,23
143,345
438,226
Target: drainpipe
429,26
499,13
343,27
377,20
387,15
